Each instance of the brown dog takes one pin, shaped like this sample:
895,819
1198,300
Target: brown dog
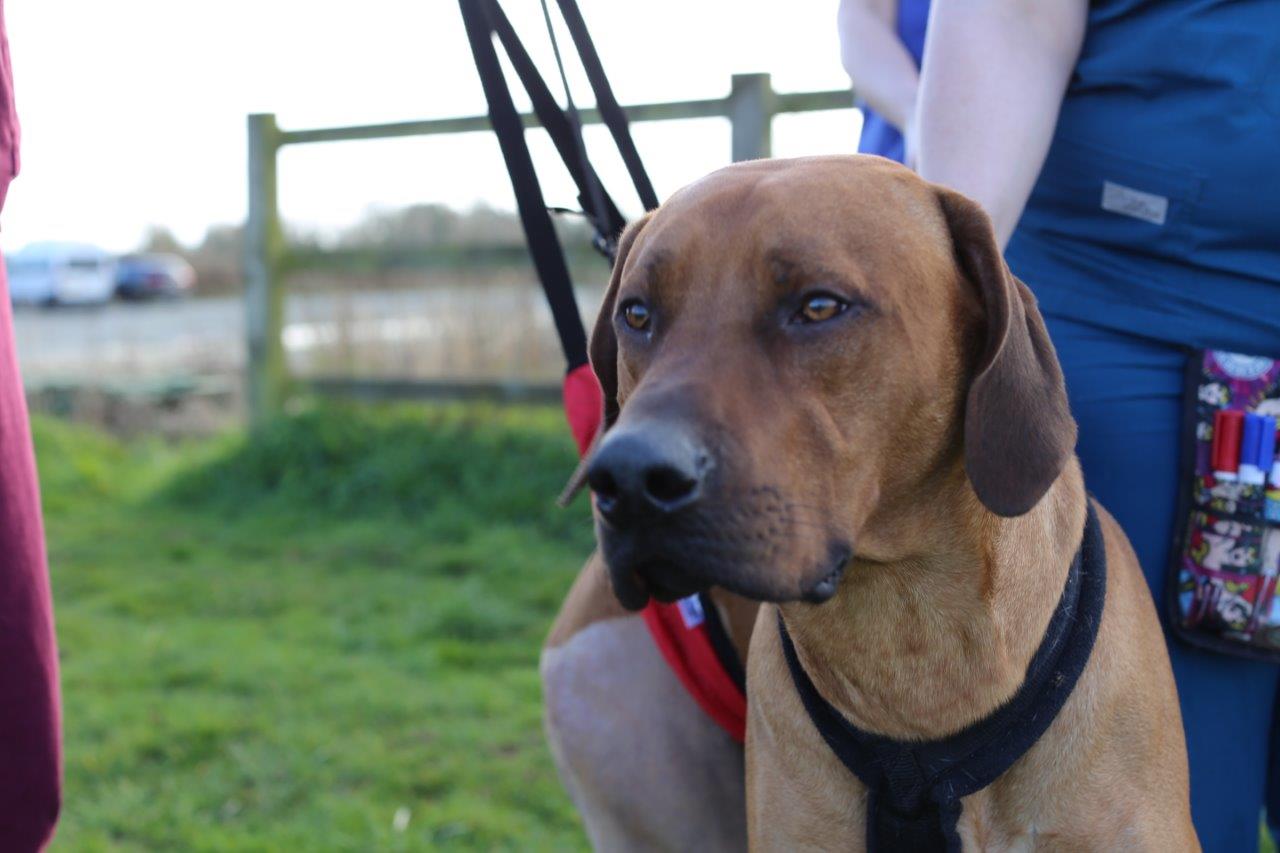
825,391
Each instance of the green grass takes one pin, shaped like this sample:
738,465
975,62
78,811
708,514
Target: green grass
278,643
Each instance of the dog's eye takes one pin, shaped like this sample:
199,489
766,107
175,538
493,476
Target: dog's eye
636,315
820,307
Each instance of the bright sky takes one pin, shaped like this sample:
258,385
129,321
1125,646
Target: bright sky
133,111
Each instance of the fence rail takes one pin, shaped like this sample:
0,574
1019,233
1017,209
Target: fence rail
750,107
379,390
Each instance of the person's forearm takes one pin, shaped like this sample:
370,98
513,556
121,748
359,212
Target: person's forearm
883,72
994,75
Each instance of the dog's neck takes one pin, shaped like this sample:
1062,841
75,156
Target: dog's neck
919,647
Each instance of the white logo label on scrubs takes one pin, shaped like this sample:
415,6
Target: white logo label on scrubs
1127,201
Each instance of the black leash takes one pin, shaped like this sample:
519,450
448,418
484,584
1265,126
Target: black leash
914,788
484,19
544,245
595,191
610,111
563,129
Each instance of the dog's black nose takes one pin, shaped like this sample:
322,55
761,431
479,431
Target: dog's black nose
647,470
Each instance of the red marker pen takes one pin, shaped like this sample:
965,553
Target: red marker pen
1228,428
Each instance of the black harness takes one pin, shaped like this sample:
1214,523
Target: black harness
914,788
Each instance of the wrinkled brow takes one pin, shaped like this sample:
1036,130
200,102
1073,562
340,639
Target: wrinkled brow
651,267
790,269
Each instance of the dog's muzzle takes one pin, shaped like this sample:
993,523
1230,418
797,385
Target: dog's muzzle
669,525
648,480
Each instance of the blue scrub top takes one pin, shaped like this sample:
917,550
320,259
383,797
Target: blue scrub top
878,136
1157,211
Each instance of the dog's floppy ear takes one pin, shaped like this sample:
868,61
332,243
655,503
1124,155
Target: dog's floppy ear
603,348
1018,429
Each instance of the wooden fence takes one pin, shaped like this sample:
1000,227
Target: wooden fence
750,107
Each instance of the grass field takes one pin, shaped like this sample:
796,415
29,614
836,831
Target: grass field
323,638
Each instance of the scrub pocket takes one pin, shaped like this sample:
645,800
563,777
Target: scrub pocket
1223,596
1117,205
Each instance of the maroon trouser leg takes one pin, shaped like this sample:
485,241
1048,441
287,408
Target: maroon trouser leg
30,724
30,716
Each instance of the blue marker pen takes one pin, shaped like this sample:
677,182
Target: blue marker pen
1272,506
1267,445
1251,471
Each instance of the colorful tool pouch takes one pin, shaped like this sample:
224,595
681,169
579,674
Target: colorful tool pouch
1225,567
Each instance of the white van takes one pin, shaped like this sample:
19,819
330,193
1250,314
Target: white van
61,274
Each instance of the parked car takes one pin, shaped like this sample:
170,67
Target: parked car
152,275
55,273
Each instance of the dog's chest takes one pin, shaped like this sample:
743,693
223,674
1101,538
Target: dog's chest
984,828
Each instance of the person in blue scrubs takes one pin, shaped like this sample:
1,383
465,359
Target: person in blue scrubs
1134,144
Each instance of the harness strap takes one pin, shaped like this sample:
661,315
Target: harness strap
610,112
696,646
544,245
914,788
703,656
722,645
483,20
564,134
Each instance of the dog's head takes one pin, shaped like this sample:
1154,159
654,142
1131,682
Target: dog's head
792,354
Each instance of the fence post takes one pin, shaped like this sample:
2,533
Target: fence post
263,293
751,108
